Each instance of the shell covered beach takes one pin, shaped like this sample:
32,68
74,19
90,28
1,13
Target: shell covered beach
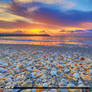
45,66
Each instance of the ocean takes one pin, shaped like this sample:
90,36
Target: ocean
48,40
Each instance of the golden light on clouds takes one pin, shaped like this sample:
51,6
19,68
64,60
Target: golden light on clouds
53,17
86,25
61,3
53,32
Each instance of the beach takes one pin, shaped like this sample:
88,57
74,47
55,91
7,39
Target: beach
46,46
23,65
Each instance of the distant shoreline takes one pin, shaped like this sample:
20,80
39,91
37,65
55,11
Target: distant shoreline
3,35
22,35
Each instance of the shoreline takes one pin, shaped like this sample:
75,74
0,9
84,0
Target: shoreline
83,50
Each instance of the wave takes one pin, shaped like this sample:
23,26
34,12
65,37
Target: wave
47,40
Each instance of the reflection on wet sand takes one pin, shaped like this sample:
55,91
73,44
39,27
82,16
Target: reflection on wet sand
42,43
48,41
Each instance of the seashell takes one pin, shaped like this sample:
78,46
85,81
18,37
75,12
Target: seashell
29,63
68,77
39,75
33,75
9,71
36,70
29,90
64,90
82,59
2,70
90,65
86,77
70,85
53,90
81,64
75,64
39,90
59,66
80,81
8,79
34,53
22,76
23,53
53,73
44,56
81,85
76,75
74,90
1,90
19,82
89,61
75,68
66,70
45,85
72,65
59,71
39,85
24,69
27,83
90,71
75,79
29,69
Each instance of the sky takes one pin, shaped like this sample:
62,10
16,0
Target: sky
53,17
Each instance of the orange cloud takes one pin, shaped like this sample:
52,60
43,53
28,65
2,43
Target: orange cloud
86,25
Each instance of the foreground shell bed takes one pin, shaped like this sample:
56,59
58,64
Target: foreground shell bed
40,67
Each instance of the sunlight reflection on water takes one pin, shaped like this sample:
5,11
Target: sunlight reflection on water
48,41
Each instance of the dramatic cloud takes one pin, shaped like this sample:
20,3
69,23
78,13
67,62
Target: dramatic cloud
18,32
60,3
16,24
63,18
11,17
78,31
46,15
39,13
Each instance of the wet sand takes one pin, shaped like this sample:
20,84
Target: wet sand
67,49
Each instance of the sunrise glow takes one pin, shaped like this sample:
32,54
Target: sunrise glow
45,17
